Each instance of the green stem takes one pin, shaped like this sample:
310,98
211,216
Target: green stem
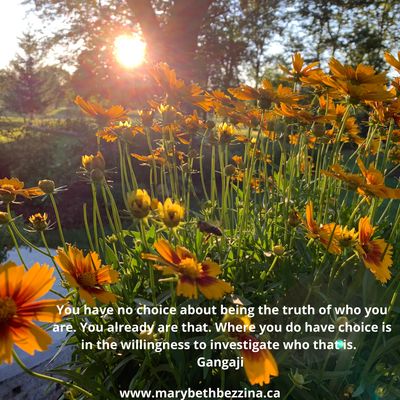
49,378
59,226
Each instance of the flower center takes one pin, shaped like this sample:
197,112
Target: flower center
88,279
172,215
190,268
8,309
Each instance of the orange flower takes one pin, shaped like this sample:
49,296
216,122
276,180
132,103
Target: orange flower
370,183
392,60
104,116
359,84
19,291
299,70
266,95
376,254
177,90
87,274
193,276
327,234
13,187
258,365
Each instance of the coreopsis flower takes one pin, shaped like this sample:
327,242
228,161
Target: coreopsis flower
258,365
193,275
158,156
146,117
359,84
94,166
299,70
10,188
87,274
376,254
266,94
346,237
91,162
123,130
171,213
103,116
326,234
301,114
392,60
139,203
39,222
226,132
370,184
177,90
19,307
192,123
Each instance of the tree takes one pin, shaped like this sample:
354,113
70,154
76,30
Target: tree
170,29
24,91
356,31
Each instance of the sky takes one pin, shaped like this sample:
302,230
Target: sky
13,22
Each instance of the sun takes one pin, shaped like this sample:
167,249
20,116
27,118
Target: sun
129,50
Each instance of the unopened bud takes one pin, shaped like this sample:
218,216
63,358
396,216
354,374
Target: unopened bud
278,250
47,186
230,170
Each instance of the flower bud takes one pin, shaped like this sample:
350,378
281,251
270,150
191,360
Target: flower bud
298,379
318,130
97,175
4,218
210,124
278,250
7,196
294,219
342,320
47,186
230,170
264,103
381,391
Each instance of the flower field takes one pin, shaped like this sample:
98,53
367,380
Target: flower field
283,196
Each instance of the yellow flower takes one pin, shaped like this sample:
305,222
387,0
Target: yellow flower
392,60
346,237
104,116
39,222
360,84
171,213
226,132
91,162
258,365
13,187
139,203
376,254
299,70
19,291
370,183
193,275
87,274
327,234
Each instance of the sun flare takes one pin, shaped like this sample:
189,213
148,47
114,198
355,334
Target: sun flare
129,50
